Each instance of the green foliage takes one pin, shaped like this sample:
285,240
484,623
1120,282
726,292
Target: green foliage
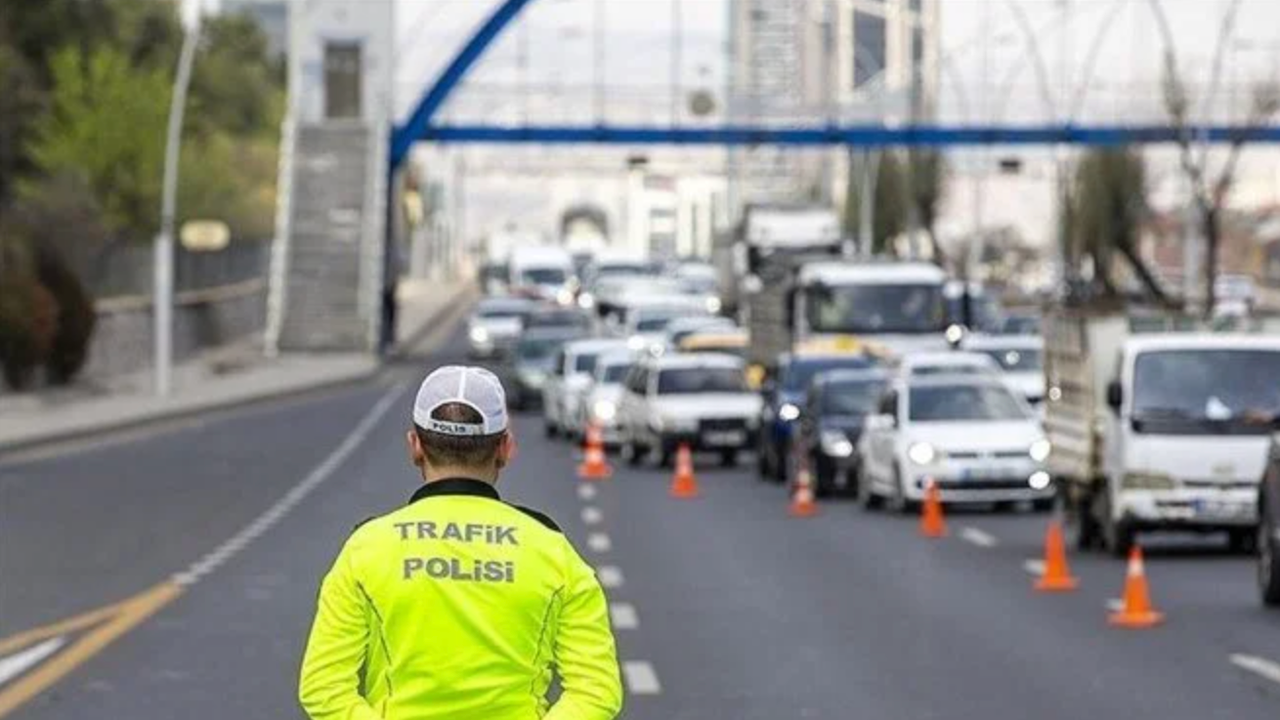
890,215
928,186
235,88
230,180
107,122
20,104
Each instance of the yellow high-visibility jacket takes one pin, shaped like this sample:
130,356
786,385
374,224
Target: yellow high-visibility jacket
458,606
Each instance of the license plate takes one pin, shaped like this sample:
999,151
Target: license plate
1217,509
720,439
983,473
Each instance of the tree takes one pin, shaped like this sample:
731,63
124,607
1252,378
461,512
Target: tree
928,170
1209,193
235,87
1107,206
107,123
21,102
890,216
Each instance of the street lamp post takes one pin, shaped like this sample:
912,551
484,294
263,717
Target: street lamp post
164,246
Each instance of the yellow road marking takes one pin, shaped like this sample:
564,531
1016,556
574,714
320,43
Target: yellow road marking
115,620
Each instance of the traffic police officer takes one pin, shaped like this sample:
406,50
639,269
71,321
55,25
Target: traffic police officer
459,605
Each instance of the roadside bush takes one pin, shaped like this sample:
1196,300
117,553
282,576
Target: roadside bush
73,321
28,318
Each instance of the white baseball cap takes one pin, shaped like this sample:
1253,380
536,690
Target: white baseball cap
474,387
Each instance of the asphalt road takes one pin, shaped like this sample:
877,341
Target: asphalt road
725,606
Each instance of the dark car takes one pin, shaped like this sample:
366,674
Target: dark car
783,397
834,410
559,318
533,359
1020,323
1269,528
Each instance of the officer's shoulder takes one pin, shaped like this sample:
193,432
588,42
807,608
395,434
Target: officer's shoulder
541,517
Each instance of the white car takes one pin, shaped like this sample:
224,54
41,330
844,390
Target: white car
604,395
496,324
972,436
699,280
954,362
1021,357
697,399
566,385
644,322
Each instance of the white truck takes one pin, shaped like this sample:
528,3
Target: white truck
765,246
1157,431
542,272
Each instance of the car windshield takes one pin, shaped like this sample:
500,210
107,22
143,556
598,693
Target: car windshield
502,311
963,403
799,372
1015,359
544,276
654,322
613,374
851,397
538,348
917,308
685,381
564,318
948,369
698,285
1210,391
585,363
1021,325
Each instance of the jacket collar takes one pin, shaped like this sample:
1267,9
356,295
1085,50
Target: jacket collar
455,486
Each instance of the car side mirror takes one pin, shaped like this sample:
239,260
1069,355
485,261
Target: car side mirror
1115,396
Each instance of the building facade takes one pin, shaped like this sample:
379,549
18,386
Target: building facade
816,62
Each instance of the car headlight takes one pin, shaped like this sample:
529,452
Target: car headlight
479,335
836,444
1040,450
788,412
1039,480
586,301
565,296
1148,481
921,453
604,410
713,305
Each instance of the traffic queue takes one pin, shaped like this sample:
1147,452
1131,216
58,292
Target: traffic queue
888,383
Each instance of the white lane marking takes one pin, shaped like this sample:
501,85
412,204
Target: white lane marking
592,515
640,677
1115,604
977,537
610,576
587,492
1035,567
296,494
624,616
1257,665
599,542
18,663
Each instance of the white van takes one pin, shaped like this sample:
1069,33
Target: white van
544,273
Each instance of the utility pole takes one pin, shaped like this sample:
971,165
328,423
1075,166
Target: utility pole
163,283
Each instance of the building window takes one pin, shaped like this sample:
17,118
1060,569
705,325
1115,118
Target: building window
869,47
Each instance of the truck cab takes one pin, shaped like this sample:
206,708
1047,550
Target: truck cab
1166,431
898,306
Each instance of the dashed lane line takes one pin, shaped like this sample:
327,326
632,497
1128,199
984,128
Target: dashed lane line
624,616
297,494
974,536
587,492
18,663
641,678
1035,567
599,542
610,576
591,515
1259,666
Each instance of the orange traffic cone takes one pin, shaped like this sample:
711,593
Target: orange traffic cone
932,525
802,501
1137,611
683,484
595,466
1057,576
